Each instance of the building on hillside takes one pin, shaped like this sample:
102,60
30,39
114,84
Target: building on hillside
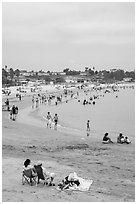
62,73
83,73
113,70
40,82
23,82
24,74
42,74
71,79
127,79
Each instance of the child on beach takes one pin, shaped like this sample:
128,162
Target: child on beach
49,118
123,140
126,140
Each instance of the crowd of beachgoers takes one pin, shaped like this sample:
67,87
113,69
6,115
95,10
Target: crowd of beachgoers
84,95
90,94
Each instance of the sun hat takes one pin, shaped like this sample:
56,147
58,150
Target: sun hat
39,163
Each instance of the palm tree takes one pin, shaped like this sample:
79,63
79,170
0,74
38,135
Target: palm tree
17,73
11,74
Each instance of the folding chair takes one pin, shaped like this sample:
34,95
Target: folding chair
27,176
40,174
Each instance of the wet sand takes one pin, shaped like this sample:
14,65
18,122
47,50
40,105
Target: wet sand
111,167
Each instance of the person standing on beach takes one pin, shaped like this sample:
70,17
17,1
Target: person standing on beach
49,118
55,121
88,126
16,111
33,101
7,103
13,112
37,102
20,97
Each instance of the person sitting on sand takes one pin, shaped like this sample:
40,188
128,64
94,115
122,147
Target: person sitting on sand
120,138
126,140
106,139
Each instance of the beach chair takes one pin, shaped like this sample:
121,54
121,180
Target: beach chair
27,176
40,175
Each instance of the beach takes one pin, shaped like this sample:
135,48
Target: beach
110,166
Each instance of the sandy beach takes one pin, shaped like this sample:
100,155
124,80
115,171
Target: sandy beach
111,166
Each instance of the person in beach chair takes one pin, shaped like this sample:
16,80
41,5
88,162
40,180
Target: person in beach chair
29,174
106,139
44,175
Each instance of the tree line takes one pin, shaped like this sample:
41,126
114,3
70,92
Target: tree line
12,77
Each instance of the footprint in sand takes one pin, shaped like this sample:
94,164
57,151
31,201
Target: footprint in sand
116,167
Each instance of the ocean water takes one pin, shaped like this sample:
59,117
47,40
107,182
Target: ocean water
110,113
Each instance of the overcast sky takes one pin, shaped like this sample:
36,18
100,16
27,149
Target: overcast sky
54,36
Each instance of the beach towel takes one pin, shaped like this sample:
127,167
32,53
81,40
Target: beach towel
84,185
75,183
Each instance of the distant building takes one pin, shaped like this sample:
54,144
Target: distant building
71,79
43,74
23,82
62,73
83,73
40,82
113,70
24,73
127,79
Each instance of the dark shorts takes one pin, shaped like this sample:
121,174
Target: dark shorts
56,122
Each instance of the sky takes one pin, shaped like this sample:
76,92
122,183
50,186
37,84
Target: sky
55,36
